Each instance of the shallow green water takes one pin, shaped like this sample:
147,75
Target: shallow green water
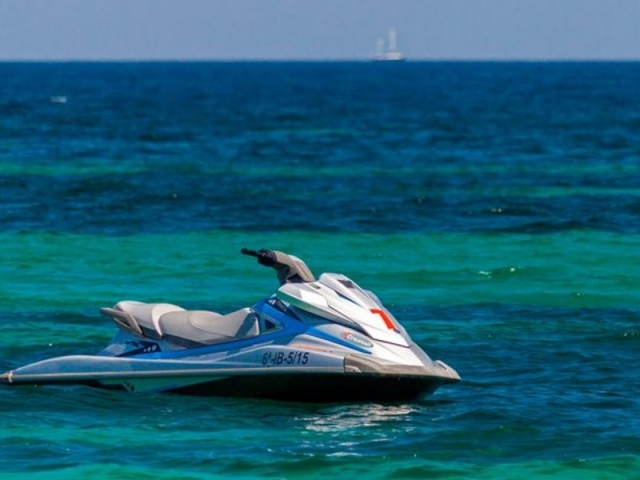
576,269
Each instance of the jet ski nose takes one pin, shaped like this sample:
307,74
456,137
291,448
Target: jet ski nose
450,375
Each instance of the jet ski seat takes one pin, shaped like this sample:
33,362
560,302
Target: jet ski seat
198,327
184,328
139,317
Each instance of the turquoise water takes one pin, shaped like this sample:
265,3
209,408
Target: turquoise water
493,207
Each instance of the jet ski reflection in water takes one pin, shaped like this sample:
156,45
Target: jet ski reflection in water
313,340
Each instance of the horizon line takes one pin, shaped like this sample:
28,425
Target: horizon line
322,60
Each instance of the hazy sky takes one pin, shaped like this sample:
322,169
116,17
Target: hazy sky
318,29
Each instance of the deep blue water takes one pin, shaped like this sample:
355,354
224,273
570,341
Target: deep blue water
418,147
495,207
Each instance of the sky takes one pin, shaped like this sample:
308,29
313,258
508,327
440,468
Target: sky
318,29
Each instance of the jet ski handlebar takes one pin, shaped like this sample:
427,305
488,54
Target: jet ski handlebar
288,267
265,257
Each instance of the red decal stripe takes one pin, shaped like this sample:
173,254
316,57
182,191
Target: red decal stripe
387,321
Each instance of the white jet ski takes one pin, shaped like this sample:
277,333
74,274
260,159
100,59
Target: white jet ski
313,340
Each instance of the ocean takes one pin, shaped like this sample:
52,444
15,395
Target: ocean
493,206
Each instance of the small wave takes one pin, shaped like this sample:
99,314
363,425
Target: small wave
60,99
501,272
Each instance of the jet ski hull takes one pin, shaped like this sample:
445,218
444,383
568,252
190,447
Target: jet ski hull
303,387
326,384
319,387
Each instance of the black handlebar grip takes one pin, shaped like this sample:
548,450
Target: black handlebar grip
265,257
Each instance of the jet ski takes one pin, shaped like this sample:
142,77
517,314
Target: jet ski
318,340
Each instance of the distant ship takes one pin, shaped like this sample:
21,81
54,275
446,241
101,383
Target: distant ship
388,52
